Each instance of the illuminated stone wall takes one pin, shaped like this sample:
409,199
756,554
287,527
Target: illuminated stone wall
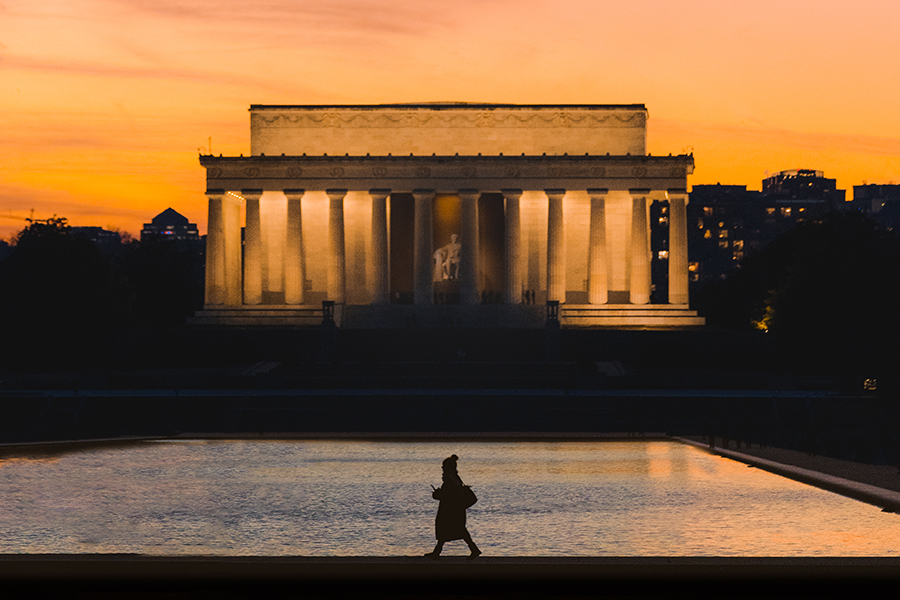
447,129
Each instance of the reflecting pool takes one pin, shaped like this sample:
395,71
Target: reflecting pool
373,498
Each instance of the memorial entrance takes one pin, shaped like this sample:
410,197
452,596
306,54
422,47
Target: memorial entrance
429,214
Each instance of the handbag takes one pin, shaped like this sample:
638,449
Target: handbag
468,497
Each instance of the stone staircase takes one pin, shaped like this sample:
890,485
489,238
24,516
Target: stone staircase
443,316
629,315
263,315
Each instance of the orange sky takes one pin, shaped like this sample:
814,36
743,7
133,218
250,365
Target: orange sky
104,103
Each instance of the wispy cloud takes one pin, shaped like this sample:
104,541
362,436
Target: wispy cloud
68,66
348,16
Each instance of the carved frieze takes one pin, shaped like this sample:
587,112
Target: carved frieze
450,118
309,172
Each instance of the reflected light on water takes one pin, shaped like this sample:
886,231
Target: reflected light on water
359,498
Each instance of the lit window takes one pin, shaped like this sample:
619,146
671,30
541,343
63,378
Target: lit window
707,234
801,209
723,243
663,255
663,220
708,211
737,256
723,233
699,223
738,244
785,212
721,223
770,211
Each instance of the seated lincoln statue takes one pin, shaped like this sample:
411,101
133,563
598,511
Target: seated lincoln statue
446,260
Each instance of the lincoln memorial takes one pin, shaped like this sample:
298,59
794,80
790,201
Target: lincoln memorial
446,214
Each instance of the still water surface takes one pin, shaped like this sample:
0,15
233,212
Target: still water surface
358,498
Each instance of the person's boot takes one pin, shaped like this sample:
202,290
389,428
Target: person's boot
474,551
436,553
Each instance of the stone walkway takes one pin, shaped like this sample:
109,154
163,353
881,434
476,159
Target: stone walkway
876,484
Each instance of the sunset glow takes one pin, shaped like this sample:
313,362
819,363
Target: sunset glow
106,103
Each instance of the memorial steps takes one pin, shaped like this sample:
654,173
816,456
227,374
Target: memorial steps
628,315
398,316
274,315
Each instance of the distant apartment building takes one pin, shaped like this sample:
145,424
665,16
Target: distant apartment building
879,201
726,222
802,185
170,225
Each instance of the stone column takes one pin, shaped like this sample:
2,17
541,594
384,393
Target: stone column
678,253
423,253
598,254
214,292
513,237
556,247
294,274
336,266
381,288
640,248
252,248
468,251
231,224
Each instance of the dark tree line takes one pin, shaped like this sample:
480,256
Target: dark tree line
828,290
63,300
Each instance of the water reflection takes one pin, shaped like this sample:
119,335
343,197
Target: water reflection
357,498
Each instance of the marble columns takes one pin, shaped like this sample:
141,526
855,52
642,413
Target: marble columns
223,249
336,270
214,292
294,275
556,248
253,249
381,291
640,248
598,253
678,254
513,237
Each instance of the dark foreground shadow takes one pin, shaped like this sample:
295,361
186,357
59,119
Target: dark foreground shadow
414,577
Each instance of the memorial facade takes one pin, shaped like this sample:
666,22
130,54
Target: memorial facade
445,213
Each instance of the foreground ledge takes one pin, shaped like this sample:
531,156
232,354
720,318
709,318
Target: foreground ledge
453,575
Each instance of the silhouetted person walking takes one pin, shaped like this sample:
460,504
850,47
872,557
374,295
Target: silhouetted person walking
450,523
